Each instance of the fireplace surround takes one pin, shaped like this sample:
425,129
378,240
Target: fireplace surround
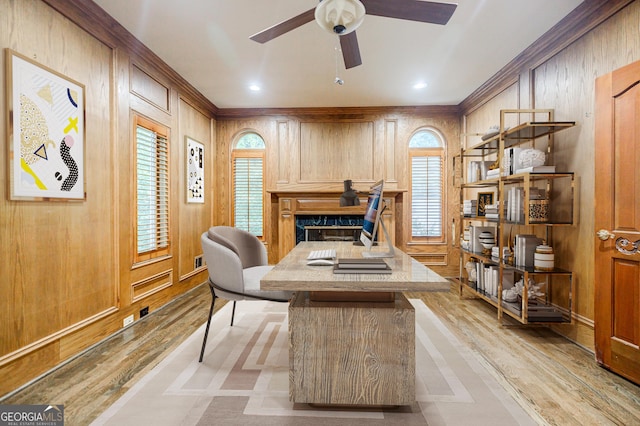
297,209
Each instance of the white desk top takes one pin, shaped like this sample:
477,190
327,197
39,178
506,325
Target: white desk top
293,273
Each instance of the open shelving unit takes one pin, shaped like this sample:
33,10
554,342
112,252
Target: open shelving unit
550,300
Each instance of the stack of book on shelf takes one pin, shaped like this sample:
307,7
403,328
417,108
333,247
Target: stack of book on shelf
537,169
491,211
493,173
536,311
519,160
363,265
525,248
515,209
543,313
470,208
487,276
511,161
477,170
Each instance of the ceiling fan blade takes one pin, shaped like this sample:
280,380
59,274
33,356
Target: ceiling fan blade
350,50
284,27
412,10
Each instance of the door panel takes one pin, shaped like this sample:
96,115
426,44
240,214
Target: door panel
617,255
627,159
625,300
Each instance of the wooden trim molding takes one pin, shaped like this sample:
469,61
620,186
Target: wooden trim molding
430,259
348,113
12,356
148,286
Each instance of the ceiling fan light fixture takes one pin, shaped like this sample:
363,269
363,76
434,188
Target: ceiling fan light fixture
340,16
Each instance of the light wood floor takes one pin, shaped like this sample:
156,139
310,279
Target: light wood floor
557,382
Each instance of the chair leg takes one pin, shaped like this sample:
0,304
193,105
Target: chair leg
233,312
206,330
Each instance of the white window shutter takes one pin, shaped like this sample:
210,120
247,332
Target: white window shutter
249,194
426,196
152,175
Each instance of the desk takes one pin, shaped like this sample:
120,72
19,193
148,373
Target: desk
351,336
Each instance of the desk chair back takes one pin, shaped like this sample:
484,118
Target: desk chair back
236,262
247,246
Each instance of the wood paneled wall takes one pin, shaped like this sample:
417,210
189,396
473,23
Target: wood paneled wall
316,151
564,79
68,276
346,150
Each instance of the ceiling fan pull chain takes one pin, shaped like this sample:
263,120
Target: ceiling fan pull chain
337,49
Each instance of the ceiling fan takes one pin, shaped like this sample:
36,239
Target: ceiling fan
342,17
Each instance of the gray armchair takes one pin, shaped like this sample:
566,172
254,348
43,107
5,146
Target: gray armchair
236,261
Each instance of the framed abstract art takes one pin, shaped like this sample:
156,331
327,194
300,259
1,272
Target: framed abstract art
46,132
195,171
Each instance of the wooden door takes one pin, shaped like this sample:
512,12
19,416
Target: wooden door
617,221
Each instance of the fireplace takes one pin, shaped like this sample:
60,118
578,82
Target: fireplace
300,212
328,227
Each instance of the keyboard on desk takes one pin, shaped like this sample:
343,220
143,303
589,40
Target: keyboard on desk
322,254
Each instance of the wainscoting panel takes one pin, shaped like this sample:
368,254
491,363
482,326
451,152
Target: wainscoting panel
149,88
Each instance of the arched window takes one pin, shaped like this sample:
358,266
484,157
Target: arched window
247,159
426,157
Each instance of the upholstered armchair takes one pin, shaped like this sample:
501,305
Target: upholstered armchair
236,261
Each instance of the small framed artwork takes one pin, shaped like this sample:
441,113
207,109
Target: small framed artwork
195,171
46,132
484,199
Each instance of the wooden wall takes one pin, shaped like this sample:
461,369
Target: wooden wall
316,149
563,78
68,277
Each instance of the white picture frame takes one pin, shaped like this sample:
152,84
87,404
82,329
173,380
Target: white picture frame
46,132
194,170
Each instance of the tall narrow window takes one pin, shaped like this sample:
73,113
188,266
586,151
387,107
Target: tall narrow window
152,190
426,153
248,183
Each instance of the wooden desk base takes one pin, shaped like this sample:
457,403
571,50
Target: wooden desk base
352,296
351,353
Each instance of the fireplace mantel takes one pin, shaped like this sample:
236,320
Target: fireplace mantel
293,202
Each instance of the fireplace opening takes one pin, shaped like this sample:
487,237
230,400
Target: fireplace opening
332,233
328,227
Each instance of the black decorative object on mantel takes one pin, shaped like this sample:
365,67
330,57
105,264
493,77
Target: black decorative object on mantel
350,196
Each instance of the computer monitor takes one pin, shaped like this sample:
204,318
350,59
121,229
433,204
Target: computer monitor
372,222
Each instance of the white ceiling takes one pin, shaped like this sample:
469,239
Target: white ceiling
207,42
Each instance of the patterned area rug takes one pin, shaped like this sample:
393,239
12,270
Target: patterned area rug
244,381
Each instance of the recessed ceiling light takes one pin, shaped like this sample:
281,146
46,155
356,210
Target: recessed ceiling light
420,85
254,88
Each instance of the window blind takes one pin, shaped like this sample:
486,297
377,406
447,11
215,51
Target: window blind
152,176
426,196
249,194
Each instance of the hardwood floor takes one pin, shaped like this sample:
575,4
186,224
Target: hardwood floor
558,382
